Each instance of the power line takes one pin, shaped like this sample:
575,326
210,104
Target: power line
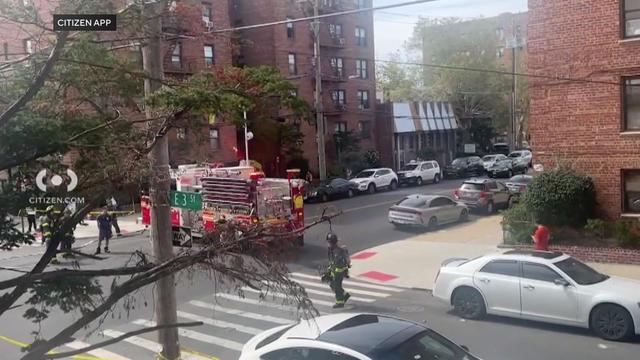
308,18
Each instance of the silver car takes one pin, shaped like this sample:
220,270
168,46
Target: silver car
427,211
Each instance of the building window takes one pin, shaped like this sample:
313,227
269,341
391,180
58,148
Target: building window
208,55
361,36
631,13
176,56
335,30
340,127
363,99
631,104
5,48
181,133
500,33
214,139
500,53
361,4
337,66
293,68
28,46
364,127
290,29
207,14
631,188
361,69
338,97
294,92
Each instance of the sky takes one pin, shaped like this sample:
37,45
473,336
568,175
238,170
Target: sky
394,26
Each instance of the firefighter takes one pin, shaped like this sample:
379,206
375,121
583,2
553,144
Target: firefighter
46,225
339,264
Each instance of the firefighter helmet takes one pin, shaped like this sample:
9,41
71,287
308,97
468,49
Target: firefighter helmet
332,238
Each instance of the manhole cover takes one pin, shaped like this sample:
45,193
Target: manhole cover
410,309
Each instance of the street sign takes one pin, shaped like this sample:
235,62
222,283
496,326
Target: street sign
182,237
186,200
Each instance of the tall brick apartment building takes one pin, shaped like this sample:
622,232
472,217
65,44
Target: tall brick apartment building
595,126
347,60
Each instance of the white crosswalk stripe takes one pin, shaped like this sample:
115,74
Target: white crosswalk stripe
319,292
284,296
150,345
229,344
351,283
261,303
351,290
100,353
246,314
220,323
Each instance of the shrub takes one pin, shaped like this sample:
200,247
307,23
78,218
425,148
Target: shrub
561,198
426,154
625,235
598,227
518,225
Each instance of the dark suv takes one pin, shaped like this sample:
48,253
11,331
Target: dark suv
485,194
464,166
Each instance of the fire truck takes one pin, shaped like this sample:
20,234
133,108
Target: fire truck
240,194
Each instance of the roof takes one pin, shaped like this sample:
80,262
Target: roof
548,255
312,328
423,116
477,181
368,333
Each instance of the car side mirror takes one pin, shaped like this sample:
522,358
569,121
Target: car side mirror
465,348
376,176
561,282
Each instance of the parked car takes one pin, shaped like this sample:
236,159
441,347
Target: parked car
485,194
417,173
371,180
464,166
333,189
544,286
501,148
518,185
353,336
523,157
489,160
506,167
427,211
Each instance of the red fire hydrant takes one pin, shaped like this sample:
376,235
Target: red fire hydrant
541,238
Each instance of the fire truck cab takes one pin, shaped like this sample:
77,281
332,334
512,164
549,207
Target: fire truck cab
238,193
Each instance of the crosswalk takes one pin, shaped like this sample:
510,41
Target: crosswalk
229,319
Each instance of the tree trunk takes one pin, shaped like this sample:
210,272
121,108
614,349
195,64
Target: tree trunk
161,236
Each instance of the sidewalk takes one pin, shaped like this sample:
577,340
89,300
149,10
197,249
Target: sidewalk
414,262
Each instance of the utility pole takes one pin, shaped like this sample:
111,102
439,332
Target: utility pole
513,127
246,139
322,161
161,237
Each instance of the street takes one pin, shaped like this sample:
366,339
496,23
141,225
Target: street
230,319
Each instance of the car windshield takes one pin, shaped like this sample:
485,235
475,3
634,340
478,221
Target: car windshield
515,155
472,186
412,202
580,272
522,179
409,167
489,158
365,174
425,345
460,161
503,161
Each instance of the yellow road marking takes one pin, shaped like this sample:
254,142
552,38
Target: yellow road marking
197,353
23,344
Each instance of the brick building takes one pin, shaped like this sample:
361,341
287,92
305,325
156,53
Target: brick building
594,124
347,60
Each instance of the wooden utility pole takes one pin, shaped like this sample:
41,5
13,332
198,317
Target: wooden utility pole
322,160
161,237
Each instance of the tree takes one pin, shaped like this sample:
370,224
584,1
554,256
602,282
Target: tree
77,102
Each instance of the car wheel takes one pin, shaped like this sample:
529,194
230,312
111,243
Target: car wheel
393,185
350,193
325,198
436,179
433,223
489,208
419,181
464,215
468,303
371,188
612,322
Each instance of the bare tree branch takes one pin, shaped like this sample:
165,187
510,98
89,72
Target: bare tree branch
120,338
39,81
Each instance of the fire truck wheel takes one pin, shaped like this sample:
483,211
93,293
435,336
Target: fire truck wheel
300,240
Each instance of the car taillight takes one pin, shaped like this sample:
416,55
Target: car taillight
484,195
456,194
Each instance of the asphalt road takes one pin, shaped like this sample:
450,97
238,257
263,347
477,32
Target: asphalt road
232,321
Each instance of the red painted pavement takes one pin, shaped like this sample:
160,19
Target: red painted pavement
379,276
363,255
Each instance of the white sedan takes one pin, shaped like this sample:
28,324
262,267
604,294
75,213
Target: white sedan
349,336
543,286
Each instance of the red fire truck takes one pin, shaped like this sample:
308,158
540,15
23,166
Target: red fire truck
239,194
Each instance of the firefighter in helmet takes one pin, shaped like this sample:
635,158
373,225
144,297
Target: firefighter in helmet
339,263
46,225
